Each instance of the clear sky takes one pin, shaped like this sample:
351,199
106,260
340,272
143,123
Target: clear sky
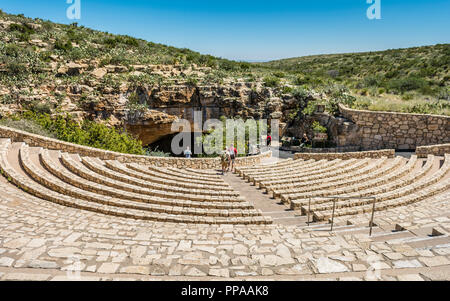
258,30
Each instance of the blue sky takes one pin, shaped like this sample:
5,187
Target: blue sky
258,30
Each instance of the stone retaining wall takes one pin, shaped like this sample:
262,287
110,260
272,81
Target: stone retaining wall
389,153
437,150
196,163
401,131
323,150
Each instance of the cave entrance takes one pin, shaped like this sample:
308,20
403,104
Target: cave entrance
165,144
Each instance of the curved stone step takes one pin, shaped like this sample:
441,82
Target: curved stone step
62,173
76,167
97,166
40,175
30,186
356,183
119,167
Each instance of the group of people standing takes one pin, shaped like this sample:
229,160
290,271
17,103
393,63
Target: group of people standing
227,158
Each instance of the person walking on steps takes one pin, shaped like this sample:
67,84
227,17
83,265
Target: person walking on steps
225,160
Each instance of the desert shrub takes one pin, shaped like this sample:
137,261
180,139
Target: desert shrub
75,36
88,133
279,74
301,80
103,137
227,65
119,57
40,107
287,90
6,99
131,42
27,125
110,42
362,103
408,96
407,84
15,68
245,66
134,103
317,128
216,77
63,45
371,81
444,94
12,50
191,81
333,73
156,152
300,93
22,28
45,56
271,81
310,108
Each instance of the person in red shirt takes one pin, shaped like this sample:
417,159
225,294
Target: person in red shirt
269,140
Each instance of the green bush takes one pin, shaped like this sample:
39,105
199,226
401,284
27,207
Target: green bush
22,28
155,153
40,107
227,65
317,128
12,50
6,99
287,90
191,81
27,125
89,133
310,108
62,45
271,81
15,68
407,84
279,74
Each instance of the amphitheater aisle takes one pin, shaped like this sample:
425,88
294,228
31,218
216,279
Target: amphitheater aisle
280,213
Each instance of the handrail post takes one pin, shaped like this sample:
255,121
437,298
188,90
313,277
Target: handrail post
371,219
332,216
309,210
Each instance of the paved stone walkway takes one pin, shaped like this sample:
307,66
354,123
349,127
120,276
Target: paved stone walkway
279,212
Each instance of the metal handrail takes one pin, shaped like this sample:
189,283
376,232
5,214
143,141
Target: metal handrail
335,198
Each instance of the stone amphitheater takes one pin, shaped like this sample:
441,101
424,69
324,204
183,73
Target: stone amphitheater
73,213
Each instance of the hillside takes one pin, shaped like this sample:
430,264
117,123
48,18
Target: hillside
422,69
143,87
414,80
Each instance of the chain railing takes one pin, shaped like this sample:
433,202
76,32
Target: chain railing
336,198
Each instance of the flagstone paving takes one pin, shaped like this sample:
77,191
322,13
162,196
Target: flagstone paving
44,241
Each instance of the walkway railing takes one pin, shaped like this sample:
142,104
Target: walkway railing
336,198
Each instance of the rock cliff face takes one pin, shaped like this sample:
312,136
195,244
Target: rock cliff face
158,105
168,104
